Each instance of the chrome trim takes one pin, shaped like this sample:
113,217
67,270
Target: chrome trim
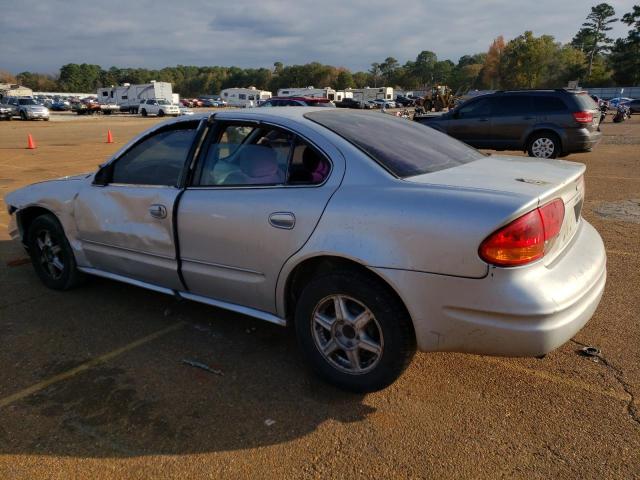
126,249
252,312
219,265
130,281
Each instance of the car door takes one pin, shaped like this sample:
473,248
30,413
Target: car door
125,217
252,204
471,123
512,119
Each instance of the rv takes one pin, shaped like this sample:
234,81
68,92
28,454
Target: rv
128,96
327,92
244,97
364,95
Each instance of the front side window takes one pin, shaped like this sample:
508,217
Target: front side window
156,160
244,155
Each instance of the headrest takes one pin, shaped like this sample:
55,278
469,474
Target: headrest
257,161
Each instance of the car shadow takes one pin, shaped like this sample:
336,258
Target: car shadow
154,398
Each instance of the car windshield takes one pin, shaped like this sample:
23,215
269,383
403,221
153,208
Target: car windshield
26,101
163,102
403,147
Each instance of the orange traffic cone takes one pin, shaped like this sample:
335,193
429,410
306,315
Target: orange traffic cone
109,136
31,145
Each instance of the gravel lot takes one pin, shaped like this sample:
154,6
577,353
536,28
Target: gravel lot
138,411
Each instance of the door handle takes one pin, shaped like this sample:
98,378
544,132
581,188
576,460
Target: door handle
483,120
529,118
158,211
286,220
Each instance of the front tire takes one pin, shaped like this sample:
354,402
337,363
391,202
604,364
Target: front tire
353,331
143,112
161,113
544,145
51,254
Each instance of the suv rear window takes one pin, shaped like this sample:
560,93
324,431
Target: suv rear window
403,147
585,102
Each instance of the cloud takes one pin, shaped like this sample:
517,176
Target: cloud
42,36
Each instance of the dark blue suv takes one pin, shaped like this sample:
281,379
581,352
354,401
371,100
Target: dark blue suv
544,123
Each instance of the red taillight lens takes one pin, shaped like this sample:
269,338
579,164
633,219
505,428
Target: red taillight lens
525,239
583,117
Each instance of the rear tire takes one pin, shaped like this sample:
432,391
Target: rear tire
544,145
51,254
352,355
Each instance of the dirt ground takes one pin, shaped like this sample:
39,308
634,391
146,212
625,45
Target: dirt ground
135,410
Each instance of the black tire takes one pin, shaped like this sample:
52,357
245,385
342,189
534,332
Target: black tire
544,145
396,335
42,258
161,113
143,112
23,115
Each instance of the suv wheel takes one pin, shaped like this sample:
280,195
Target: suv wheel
51,254
161,113
353,332
23,115
143,112
544,145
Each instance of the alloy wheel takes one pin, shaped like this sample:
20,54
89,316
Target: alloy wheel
50,254
543,147
347,334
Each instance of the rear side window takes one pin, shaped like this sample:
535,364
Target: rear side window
549,104
403,147
511,105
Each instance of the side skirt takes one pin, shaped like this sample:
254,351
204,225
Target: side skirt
252,312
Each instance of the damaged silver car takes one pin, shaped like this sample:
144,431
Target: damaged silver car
372,235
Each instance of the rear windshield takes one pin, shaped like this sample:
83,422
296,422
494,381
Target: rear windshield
403,147
585,102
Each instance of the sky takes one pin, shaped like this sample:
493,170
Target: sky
42,35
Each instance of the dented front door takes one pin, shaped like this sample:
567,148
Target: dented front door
128,230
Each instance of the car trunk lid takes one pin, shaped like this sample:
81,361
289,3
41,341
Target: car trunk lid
534,181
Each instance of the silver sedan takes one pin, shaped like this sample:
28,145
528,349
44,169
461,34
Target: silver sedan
373,235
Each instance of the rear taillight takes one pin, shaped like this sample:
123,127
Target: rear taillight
525,239
583,117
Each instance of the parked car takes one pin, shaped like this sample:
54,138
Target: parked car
159,107
349,103
185,102
6,111
60,106
387,103
28,109
405,101
614,102
185,111
433,246
297,102
545,123
634,106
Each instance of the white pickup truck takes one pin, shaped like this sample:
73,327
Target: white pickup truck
159,107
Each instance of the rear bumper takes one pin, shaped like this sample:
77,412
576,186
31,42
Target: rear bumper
525,311
581,140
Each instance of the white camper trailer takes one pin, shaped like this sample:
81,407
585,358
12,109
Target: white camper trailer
128,96
327,92
363,95
244,97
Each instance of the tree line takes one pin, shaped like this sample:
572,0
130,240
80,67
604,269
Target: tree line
526,61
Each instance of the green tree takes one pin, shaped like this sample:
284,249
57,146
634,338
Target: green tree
625,55
344,80
526,59
595,30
